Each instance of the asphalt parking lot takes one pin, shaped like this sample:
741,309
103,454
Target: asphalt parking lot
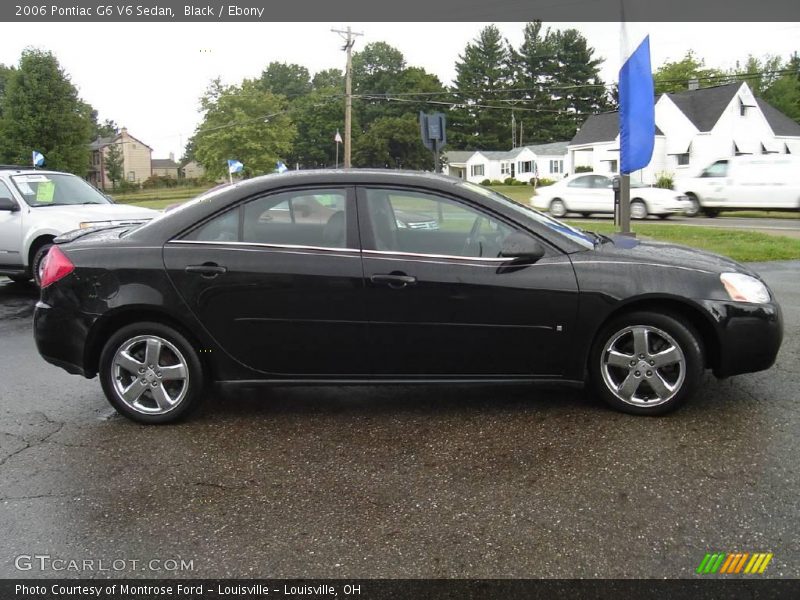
398,481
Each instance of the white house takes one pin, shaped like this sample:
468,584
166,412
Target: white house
523,163
693,129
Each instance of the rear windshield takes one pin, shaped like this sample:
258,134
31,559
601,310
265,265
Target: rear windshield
56,189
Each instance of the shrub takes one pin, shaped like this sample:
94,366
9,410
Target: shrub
124,185
583,169
496,182
159,181
508,181
665,181
486,182
544,181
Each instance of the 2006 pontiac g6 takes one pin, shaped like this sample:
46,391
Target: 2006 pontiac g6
245,285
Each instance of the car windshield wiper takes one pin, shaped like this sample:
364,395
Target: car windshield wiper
599,238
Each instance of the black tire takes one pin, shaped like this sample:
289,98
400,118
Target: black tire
664,217
187,392
585,215
694,209
19,278
711,212
638,209
558,208
36,263
678,380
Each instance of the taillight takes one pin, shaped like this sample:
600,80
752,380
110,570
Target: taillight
56,266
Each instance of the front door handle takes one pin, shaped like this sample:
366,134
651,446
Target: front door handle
394,280
206,269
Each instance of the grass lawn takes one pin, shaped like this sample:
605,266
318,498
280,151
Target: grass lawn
740,245
761,214
520,193
159,198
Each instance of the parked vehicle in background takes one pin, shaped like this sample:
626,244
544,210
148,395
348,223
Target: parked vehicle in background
36,206
498,292
754,182
590,193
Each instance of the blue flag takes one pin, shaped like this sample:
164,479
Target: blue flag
37,158
637,121
234,166
280,167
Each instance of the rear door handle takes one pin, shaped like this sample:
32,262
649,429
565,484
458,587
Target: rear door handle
394,280
206,269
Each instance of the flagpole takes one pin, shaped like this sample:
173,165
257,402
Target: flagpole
337,155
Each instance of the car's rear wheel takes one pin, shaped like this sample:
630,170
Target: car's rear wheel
638,210
694,206
150,373
557,208
646,363
711,212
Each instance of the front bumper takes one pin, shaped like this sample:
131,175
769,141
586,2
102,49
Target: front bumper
61,337
749,335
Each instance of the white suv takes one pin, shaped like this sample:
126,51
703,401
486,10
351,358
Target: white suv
36,206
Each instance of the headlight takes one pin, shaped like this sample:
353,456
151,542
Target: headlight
87,224
743,288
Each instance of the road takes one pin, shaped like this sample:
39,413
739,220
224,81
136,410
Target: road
399,481
787,227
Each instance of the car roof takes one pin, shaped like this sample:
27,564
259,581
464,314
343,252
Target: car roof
20,170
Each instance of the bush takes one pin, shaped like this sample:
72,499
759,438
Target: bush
583,169
508,181
544,181
496,182
124,186
486,182
665,181
159,181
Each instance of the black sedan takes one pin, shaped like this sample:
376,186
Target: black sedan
237,287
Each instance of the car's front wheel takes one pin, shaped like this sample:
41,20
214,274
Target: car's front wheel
694,206
151,373
638,210
557,208
646,363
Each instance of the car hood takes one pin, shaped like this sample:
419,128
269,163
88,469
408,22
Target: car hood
663,253
99,212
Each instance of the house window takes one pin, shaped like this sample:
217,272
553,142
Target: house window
505,168
133,146
742,108
131,176
476,170
556,166
525,166
683,159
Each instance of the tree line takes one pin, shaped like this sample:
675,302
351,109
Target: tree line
502,95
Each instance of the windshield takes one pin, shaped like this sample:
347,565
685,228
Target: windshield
56,189
576,235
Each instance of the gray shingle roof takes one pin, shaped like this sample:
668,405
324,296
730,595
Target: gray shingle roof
163,163
458,156
704,106
549,149
101,142
603,127
779,122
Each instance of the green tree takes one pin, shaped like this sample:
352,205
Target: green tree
318,116
376,70
481,72
5,75
674,76
42,111
394,143
329,79
784,92
114,164
579,91
290,80
245,123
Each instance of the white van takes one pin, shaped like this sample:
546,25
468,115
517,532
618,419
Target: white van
753,182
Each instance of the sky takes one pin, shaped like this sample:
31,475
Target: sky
148,77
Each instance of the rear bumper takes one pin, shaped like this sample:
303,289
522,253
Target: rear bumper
61,337
750,336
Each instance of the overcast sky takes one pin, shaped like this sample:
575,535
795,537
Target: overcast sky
148,77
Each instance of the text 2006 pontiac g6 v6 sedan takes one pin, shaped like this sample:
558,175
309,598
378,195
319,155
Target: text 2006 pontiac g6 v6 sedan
237,287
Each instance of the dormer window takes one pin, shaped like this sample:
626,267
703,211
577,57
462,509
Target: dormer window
742,108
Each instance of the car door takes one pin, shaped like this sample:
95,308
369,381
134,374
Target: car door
441,302
281,292
601,194
578,195
10,231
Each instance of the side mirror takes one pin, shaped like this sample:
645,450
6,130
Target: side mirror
8,204
522,248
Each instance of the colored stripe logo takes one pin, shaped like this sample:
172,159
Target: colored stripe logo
734,563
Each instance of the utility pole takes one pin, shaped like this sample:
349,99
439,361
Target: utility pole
349,40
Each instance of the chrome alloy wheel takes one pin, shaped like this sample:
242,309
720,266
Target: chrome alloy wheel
150,375
643,366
